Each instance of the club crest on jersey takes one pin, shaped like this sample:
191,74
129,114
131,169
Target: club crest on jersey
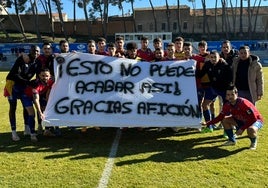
249,111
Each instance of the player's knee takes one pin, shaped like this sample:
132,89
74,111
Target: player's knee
252,132
227,124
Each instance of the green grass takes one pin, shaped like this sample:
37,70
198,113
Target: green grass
144,159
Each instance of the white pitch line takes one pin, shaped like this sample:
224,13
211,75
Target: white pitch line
110,162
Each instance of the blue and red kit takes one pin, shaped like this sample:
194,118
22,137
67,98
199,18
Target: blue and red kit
40,88
243,112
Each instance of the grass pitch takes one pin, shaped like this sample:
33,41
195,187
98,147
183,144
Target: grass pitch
144,158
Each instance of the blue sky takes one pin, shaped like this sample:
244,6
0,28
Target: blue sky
67,4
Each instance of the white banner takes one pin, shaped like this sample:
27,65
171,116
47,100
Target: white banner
93,90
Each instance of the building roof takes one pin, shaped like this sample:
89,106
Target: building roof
161,8
209,11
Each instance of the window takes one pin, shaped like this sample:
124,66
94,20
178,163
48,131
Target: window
185,25
139,27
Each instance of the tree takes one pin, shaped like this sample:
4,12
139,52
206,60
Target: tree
97,7
9,5
74,22
132,8
83,4
179,15
251,11
168,16
205,22
106,17
47,8
119,4
224,19
155,21
194,8
249,20
20,7
216,13
256,15
59,8
241,18
36,19
4,5
234,15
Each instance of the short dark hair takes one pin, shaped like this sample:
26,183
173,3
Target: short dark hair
91,41
100,39
34,48
63,41
226,42
144,38
46,43
232,87
131,46
171,44
244,48
187,44
158,39
111,45
119,38
202,43
179,39
214,52
44,70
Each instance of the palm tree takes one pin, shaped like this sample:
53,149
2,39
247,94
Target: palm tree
155,21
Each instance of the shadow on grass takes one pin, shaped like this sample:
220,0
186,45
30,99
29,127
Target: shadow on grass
188,145
166,146
72,143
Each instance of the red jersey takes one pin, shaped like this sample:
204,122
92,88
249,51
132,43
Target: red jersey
40,88
147,55
199,64
102,53
243,112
